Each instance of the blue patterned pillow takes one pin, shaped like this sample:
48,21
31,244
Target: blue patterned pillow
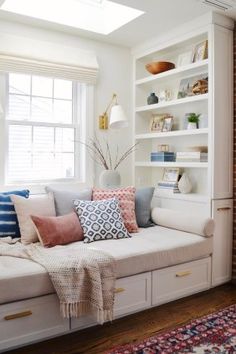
101,219
8,220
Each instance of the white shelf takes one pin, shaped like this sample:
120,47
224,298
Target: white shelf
172,164
189,69
156,106
172,134
193,197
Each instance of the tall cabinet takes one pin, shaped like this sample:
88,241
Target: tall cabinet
212,180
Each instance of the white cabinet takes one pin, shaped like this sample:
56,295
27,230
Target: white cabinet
221,112
182,280
132,294
222,211
30,320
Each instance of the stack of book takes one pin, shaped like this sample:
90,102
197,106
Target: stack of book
162,156
191,156
165,188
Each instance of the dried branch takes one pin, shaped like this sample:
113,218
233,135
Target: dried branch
104,158
126,154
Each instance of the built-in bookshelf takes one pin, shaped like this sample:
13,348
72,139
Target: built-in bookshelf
212,181
178,138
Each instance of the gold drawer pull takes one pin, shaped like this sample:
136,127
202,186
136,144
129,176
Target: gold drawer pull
18,315
223,209
119,290
183,274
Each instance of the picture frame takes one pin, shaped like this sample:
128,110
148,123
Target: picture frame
200,51
185,58
167,124
186,85
156,123
171,174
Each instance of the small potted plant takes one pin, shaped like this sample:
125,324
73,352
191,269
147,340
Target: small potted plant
193,120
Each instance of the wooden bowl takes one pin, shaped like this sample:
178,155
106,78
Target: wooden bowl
157,67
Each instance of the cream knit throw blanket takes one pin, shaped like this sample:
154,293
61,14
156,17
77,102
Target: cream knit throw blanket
83,278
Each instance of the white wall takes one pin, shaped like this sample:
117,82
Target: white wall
115,69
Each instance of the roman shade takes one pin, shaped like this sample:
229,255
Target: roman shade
28,56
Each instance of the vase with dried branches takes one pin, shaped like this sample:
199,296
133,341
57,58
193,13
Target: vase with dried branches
102,155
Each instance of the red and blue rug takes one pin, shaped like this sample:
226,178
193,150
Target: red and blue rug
214,333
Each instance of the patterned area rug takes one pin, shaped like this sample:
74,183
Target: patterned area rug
214,333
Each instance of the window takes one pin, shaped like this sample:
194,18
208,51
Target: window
43,124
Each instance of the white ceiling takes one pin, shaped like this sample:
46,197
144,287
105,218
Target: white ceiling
160,16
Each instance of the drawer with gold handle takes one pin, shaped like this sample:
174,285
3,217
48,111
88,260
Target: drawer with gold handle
183,274
119,290
223,209
18,315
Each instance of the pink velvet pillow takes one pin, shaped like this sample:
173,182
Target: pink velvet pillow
126,197
58,230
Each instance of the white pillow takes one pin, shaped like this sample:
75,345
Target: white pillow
183,221
42,205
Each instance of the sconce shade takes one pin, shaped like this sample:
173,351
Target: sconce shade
117,118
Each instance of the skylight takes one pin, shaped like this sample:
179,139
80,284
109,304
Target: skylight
100,16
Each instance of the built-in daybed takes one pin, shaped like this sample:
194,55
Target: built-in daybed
155,266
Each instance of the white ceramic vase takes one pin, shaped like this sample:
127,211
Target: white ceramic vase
192,126
185,185
109,179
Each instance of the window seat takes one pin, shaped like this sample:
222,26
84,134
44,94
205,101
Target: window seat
150,249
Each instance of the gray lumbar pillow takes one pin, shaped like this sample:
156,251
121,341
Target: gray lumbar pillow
64,200
143,198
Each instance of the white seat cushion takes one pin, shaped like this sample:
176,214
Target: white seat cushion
150,249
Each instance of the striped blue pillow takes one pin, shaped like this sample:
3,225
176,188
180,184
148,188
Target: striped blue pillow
8,220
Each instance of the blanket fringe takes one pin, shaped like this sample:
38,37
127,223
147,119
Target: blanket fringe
77,309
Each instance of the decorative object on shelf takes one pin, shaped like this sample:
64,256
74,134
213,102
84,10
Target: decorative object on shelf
185,58
163,148
165,188
184,184
102,155
157,67
118,119
161,122
200,51
165,95
186,85
171,174
162,156
200,87
202,148
152,98
168,122
156,123
109,179
193,120
191,156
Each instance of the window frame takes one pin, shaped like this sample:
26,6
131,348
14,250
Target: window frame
82,123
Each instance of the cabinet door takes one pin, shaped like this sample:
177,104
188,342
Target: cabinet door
221,110
222,241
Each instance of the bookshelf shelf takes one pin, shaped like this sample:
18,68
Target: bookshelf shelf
186,70
170,134
172,103
172,164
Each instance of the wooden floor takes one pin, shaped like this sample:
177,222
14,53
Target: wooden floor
97,340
